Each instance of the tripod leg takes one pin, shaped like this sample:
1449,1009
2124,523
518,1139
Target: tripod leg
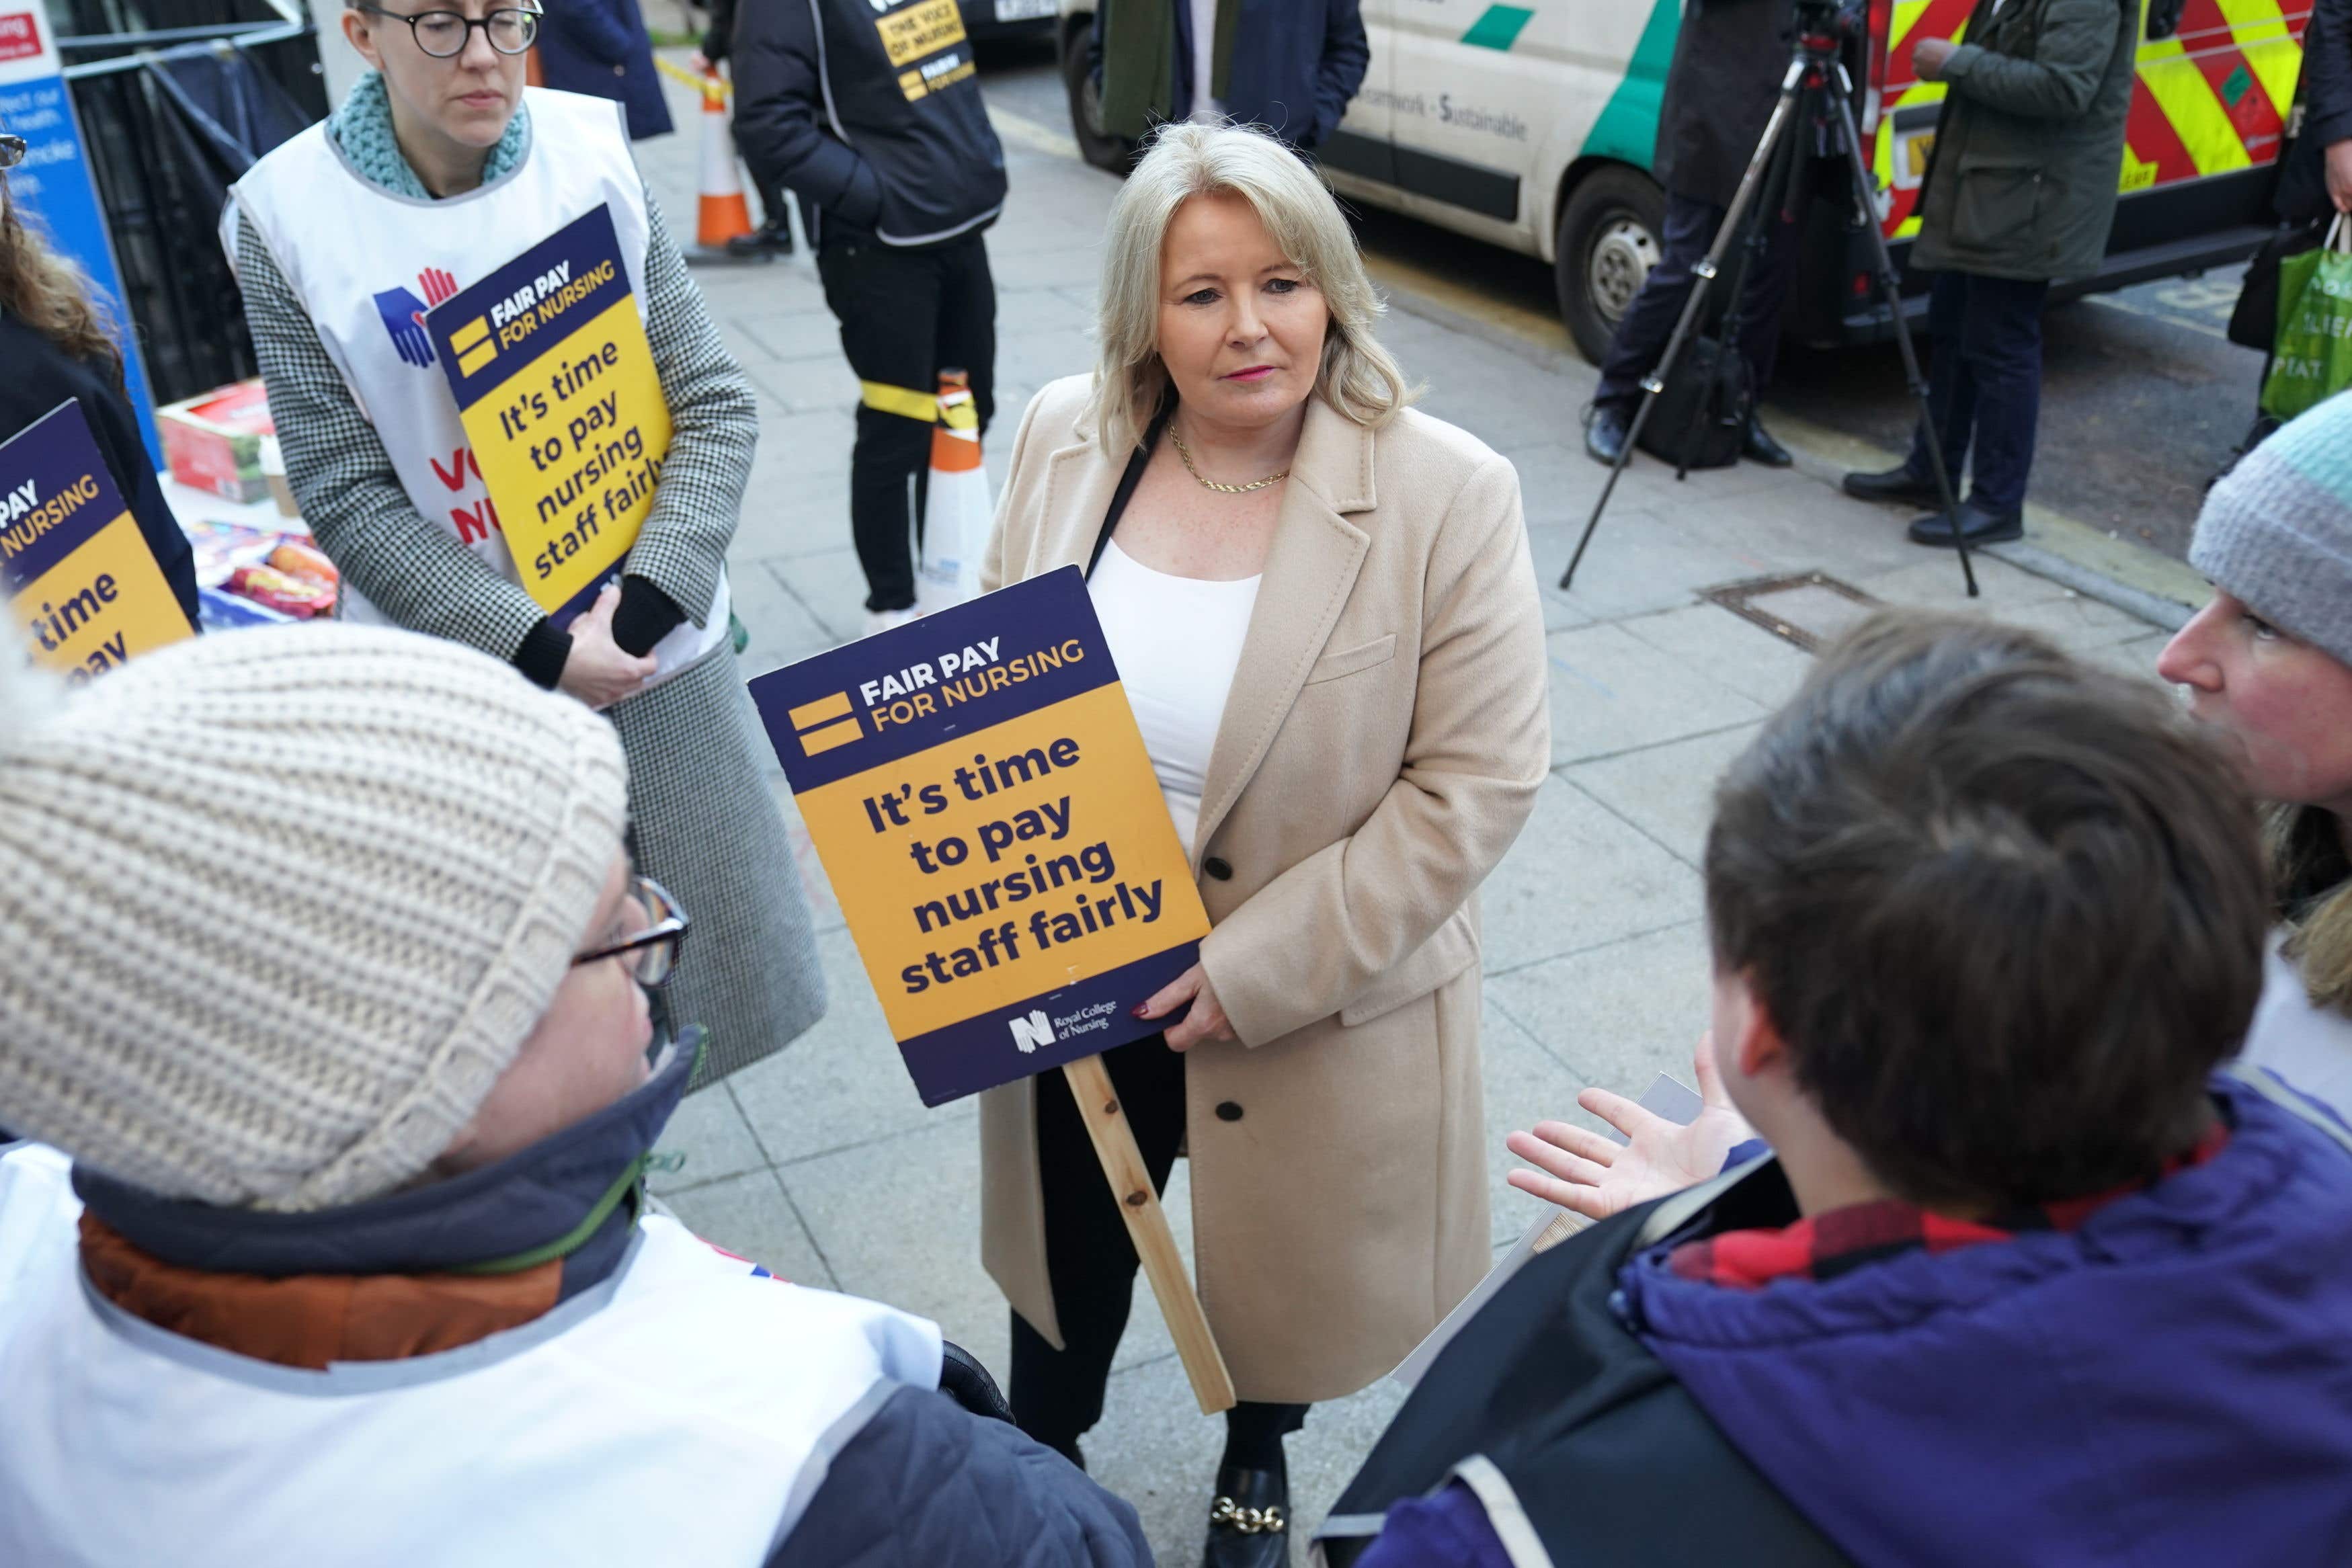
1783,113
1890,289
1768,206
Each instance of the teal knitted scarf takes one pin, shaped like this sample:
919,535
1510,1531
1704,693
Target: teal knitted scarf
362,128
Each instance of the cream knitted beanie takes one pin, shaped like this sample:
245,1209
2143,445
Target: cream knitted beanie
277,907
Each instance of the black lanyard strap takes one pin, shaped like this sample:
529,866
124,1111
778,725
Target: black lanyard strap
1128,481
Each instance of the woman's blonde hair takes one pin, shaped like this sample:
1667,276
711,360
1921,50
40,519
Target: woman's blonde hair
1358,378
2313,881
48,294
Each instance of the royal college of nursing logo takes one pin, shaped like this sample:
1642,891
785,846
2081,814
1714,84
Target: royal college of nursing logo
1033,1031
403,314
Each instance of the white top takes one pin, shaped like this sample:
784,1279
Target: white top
683,1410
2309,1047
364,261
1205,108
1177,641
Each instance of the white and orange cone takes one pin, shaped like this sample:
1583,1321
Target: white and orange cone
958,516
723,214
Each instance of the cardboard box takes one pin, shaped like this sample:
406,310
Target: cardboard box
214,442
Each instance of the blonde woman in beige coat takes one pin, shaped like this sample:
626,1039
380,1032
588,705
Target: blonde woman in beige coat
1323,611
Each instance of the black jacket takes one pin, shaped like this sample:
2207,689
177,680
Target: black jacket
601,47
1611,1460
40,376
873,117
1729,57
2327,111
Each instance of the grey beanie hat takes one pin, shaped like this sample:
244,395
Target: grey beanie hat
277,907
2277,530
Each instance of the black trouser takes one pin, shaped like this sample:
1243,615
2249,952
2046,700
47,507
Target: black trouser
905,316
1057,1394
1649,322
1984,382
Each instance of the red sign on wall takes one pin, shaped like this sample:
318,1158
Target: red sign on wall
20,35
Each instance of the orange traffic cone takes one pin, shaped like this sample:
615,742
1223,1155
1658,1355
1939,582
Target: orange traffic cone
958,516
724,214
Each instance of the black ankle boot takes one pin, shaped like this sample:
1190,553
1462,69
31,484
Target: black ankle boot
1249,1523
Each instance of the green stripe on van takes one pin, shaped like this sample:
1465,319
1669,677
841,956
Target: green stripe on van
1498,28
1628,126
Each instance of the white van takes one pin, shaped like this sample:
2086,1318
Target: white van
1532,126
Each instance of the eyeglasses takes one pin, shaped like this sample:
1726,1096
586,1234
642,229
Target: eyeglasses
443,35
12,151
652,953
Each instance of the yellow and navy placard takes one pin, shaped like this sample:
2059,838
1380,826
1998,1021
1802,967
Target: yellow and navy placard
77,570
926,45
977,788
556,386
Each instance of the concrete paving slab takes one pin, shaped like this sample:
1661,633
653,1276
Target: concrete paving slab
1525,1083
1616,1015
781,629
840,1085
2135,656
1578,876
786,336
805,385
899,1222
1610,692
1933,581
750,1214
1667,791
712,1138
1734,652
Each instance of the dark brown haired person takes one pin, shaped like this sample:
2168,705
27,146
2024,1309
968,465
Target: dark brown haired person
58,344
2020,1277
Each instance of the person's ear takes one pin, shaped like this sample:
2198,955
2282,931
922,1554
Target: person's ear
359,29
1757,1045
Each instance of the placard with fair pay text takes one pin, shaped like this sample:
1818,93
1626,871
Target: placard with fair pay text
73,564
556,388
977,788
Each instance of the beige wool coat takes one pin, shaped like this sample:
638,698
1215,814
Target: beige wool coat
1386,734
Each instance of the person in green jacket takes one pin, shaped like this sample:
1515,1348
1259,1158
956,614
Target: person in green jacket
2019,194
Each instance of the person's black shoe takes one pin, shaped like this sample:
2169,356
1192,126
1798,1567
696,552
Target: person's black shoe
1606,426
1899,484
1249,1523
1979,527
774,239
1757,446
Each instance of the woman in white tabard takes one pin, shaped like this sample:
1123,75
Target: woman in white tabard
439,167
2268,665
1323,611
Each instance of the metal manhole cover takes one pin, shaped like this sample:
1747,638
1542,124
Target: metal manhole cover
1808,609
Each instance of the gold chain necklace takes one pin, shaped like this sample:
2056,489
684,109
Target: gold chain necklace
1185,452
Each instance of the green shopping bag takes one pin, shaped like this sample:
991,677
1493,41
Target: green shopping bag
2314,358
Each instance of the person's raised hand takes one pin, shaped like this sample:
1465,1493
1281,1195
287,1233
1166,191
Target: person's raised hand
1588,1174
2339,174
1204,1021
1929,56
597,670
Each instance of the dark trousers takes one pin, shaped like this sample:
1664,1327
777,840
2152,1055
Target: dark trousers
1649,322
905,316
1057,1394
1984,382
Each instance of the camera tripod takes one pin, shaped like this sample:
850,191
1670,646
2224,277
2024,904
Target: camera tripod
1816,89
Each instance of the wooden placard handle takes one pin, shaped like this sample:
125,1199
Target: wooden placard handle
1147,1224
